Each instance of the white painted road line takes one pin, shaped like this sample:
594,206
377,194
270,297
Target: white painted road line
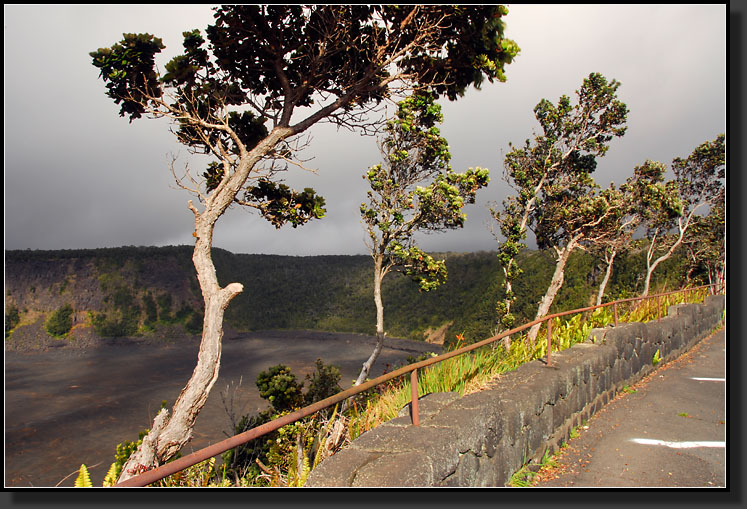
677,445
708,379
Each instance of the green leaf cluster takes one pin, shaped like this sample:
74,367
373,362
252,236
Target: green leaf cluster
128,69
279,386
280,205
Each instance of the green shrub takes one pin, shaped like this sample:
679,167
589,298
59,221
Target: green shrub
278,450
116,325
240,462
12,318
60,322
279,386
323,384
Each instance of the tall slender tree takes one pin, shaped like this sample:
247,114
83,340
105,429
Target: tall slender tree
561,157
413,191
268,74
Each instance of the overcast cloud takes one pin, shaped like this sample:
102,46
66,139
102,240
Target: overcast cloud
79,176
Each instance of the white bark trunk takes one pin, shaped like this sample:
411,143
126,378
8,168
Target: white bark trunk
170,433
557,282
378,278
602,287
649,266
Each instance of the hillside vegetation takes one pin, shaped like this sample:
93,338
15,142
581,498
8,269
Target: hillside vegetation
144,291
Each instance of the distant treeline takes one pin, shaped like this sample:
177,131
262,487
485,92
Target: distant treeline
143,286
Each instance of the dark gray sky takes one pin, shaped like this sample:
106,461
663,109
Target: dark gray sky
79,176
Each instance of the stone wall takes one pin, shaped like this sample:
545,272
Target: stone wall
483,438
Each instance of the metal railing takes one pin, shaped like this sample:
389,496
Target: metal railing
158,473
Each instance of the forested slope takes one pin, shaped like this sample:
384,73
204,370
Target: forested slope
136,291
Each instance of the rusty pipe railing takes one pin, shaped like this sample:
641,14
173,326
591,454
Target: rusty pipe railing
158,473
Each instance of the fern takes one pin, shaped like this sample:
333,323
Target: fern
83,480
112,475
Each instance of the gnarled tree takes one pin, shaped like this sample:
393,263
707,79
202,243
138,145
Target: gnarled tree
413,191
268,74
562,156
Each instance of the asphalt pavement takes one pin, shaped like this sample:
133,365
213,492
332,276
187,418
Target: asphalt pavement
667,430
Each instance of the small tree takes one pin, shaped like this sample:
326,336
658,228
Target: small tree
12,318
697,183
563,155
60,322
269,74
401,204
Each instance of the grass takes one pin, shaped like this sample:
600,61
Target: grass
524,477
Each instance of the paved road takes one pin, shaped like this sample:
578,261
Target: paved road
670,432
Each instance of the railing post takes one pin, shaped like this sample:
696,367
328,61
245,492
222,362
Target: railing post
414,404
549,340
615,308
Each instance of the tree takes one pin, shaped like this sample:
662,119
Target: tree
638,198
400,204
267,76
697,183
706,243
558,162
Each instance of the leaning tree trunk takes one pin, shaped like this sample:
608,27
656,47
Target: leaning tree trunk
610,259
171,432
378,278
557,281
